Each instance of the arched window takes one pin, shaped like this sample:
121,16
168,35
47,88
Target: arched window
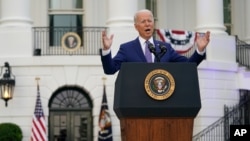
70,114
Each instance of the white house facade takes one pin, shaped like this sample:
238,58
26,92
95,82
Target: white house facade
220,76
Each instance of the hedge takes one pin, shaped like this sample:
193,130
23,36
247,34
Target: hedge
10,132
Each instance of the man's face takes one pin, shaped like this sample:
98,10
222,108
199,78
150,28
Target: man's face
145,24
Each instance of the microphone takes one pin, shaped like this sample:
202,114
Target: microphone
151,48
163,50
158,55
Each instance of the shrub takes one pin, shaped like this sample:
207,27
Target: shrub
10,132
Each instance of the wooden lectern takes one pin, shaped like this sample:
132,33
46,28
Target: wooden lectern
143,118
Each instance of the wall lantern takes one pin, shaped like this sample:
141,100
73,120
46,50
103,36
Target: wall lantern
7,83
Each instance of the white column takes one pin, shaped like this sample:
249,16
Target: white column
15,13
121,12
15,28
221,47
121,21
247,4
220,62
210,16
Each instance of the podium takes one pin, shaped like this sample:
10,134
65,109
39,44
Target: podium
143,118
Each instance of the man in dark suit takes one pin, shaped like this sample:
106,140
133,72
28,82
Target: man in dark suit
133,51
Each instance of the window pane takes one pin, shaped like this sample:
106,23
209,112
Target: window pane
54,4
66,20
65,4
152,5
227,15
61,24
77,4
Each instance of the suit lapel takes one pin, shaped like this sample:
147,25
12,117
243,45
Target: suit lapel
138,49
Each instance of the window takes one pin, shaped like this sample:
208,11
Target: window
64,16
152,5
227,15
65,4
61,24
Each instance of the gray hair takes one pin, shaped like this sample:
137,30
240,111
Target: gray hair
141,11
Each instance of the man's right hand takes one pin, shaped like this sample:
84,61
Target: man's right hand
106,41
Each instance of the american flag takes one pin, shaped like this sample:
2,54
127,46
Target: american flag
38,132
105,128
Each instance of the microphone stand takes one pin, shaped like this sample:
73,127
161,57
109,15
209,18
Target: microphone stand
159,55
153,50
163,50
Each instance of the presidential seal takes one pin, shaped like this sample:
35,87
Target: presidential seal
159,84
71,41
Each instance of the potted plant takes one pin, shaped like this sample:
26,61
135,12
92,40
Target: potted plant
10,132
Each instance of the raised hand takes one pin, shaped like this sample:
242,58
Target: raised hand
202,40
106,41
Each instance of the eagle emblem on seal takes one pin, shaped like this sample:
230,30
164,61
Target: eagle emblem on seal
159,84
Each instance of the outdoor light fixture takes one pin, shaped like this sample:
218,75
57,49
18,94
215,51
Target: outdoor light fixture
7,83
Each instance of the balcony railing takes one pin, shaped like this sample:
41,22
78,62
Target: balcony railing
53,41
235,115
67,40
242,53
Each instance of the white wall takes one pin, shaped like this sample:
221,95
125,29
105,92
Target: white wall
55,72
218,87
176,14
39,10
218,77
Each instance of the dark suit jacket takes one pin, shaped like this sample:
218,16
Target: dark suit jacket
132,52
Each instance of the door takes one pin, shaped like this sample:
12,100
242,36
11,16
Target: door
70,115
70,126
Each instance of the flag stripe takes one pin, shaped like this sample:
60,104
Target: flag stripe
182,41
178,32
39,129
38,121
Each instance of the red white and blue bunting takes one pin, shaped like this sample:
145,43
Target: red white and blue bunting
181,40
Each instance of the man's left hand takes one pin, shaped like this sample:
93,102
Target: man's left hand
202,40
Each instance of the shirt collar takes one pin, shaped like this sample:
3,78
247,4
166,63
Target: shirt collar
142,41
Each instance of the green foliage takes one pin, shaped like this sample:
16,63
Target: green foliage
10,132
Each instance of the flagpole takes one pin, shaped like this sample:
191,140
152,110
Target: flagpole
39,128
37,80
104,79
